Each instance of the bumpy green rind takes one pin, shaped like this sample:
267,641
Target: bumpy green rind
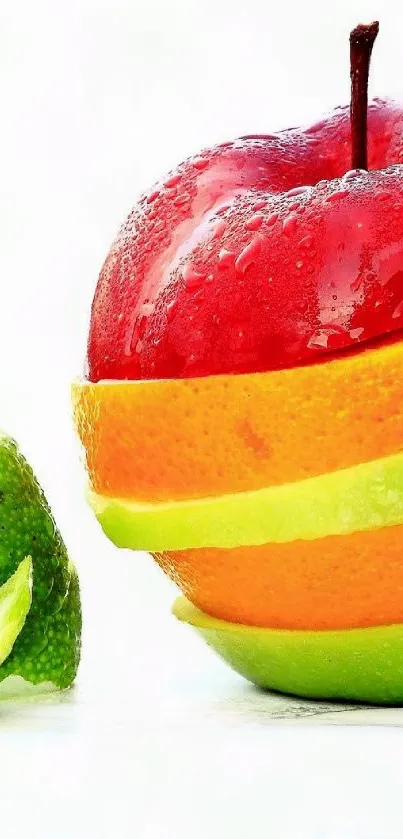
15,602
364,665
362,497
48,647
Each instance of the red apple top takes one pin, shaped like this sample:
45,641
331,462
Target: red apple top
257,254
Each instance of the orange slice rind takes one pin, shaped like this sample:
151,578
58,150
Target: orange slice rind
179,439
331,583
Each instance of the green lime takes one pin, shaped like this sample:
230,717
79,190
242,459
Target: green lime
47,649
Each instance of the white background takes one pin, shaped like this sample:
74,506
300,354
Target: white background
158,740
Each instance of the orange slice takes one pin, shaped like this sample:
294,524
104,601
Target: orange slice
331,583
187,438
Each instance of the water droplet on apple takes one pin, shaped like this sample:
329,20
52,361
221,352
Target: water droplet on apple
299,264
353,173
181,199
357,283
330,336
200,162
219,229
338,195
298,190
223,209
318,339
171,307
172,181
248,256
356,333
254,222
398,312
147,309
271,219
225,258
364,276
290,224
306,242
259,206
193,279
314,129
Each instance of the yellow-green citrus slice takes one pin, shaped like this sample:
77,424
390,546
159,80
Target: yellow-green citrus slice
15,602
365,665
361,497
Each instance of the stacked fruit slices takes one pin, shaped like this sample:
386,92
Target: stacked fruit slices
275,501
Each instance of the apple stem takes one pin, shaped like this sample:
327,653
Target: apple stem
361,42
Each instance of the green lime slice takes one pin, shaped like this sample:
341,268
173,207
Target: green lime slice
365,665
15,602
361,497
47,649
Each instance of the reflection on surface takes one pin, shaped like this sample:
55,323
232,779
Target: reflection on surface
15,687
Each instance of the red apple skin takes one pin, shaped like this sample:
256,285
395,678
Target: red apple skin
226,267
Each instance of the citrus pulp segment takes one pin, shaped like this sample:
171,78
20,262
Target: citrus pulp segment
331,583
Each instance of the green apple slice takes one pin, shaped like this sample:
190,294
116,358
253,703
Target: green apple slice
361,497
364,665
15,603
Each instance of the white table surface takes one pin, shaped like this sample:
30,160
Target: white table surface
158,740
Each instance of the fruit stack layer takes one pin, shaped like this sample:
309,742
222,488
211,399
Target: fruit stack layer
242,418
287,487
